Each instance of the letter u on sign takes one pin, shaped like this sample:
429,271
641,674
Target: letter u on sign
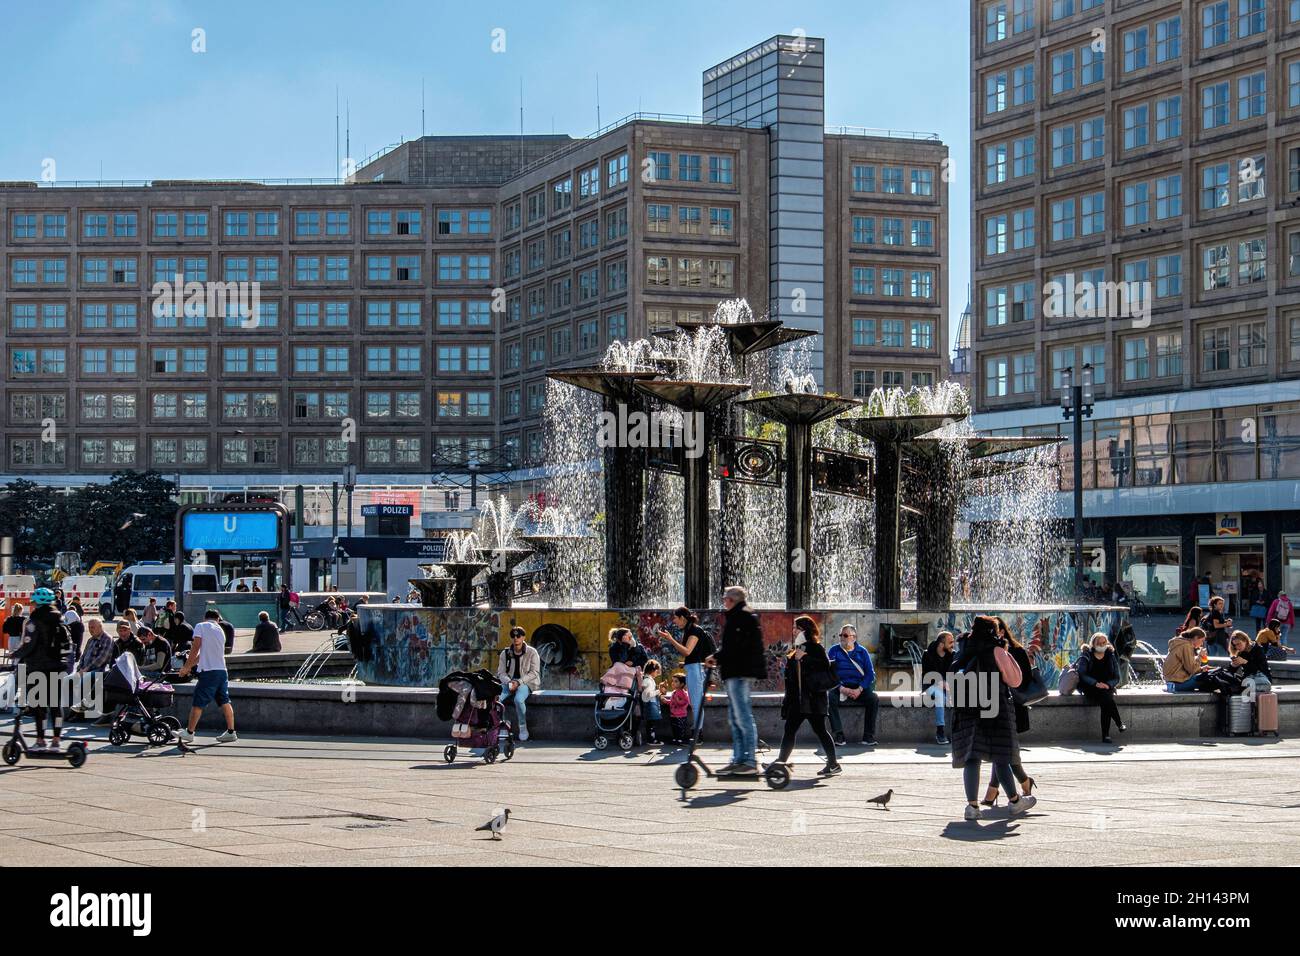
229,523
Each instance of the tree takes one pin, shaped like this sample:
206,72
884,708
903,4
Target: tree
31,515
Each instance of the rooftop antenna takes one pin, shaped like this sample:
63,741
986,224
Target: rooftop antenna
422,107
521,122
347,130
598,101
338,169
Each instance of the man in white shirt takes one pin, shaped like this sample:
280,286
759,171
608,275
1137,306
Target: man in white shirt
208,652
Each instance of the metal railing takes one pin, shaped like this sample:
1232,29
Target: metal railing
885,133
178,183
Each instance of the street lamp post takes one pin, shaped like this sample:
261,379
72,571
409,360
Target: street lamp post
1076,405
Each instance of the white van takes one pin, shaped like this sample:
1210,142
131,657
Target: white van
153,579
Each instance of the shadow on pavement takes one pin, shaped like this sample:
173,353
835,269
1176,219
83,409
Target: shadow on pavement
970,831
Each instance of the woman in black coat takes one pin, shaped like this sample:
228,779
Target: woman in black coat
1098,679
989,732
808,678
1021,657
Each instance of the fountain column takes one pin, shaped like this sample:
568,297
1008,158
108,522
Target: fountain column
700,399
798,411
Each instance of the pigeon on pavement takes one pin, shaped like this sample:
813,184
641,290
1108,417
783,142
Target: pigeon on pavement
883,799
496,824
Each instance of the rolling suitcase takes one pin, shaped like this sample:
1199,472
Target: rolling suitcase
1237,717
1266,715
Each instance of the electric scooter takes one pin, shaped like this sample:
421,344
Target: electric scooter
16,748
687,775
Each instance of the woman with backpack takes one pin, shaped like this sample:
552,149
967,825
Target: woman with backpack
985,730
44,651
1098,679
808,679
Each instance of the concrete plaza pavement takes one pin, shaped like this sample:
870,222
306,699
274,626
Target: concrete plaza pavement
334,802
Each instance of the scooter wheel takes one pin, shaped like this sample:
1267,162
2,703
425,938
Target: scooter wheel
778,776
12,752
625,742
687,776
77,754
601,742
490,755
118,736
449,753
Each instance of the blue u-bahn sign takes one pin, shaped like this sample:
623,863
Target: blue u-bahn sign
215,529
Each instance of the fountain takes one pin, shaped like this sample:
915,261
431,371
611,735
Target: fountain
856,483
436,588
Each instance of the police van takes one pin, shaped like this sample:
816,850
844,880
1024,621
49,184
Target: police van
152,579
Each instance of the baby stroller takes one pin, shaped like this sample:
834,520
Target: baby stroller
618,707
472,702
137,704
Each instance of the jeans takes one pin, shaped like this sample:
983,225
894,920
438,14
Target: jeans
1286,629
653,709
740,711
1182,686
971,778
695,688
520,697
937,694
867,699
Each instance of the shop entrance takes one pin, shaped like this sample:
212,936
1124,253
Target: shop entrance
1236,570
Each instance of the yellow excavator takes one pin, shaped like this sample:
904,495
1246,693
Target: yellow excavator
68,563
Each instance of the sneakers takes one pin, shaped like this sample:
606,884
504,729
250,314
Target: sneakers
744,770
227,736
972,813
840,740
869,741
1023,805
830,770
523,733
723,771
185,736
55,747
941,738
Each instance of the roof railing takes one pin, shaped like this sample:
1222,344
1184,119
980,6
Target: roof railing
886,133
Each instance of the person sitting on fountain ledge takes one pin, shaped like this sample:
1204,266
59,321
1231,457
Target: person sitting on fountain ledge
520,670
852,664
1182,668
623,648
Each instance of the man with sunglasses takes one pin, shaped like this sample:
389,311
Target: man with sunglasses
740,662
851,663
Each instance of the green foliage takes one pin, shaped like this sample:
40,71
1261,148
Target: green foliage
91,520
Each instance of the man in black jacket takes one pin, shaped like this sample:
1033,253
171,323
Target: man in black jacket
740,662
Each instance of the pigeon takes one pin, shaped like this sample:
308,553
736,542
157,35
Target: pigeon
495,825
883,799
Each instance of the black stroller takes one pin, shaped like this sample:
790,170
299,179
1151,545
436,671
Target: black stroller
137,704
472,702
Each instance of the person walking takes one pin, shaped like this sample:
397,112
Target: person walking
266,636
1283,611
1098,670
857,676
695,647
520,671
282,603
150,615
207,655
15,621
740,662
989,733
166,617
1020,654
934,679
808,679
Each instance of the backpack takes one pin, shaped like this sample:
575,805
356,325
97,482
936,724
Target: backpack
1069,681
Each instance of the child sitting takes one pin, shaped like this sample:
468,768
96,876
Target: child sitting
650,700
679,709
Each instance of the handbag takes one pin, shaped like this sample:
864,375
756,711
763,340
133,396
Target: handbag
1069,681
1007,667
1032,690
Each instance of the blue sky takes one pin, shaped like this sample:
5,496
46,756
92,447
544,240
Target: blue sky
113,85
